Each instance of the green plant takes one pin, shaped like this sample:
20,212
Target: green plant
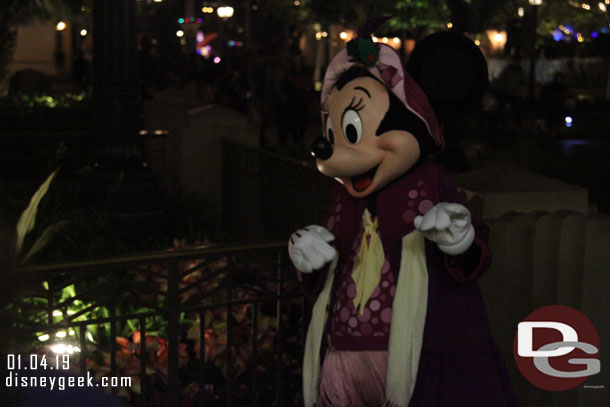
26,224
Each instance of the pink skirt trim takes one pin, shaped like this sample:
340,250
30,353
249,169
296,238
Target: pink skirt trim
353,379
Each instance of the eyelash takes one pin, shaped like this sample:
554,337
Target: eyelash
357,107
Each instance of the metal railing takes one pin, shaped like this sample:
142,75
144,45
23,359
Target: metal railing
247,280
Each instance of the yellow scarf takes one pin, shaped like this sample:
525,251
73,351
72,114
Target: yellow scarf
368,262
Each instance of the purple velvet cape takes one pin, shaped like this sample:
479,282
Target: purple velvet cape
460,364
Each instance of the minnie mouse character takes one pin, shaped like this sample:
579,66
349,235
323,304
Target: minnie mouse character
399,319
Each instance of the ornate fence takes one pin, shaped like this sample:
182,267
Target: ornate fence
222,326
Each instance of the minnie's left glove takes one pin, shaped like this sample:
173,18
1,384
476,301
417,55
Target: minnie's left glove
449,226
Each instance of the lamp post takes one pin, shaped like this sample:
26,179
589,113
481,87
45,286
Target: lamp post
532,83
60,55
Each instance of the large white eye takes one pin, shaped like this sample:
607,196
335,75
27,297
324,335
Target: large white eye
352,126
329,133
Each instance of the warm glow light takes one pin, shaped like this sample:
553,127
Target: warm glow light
449,25
225,12
83,32
60,26
343,35
385,40
374,39
477,42
585,6
179,33
324,34
520,11
497,39
535,2
297,3
602,7
208,10
396,40
58,348
318,35
62,348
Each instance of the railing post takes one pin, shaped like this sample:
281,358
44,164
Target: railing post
82,331
50,306
112,315
202,378
173,335
229,361
143,355
253,373
280,334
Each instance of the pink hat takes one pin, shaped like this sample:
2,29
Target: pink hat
389,69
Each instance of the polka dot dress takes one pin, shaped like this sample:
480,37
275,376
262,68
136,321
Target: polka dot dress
377,314
351,330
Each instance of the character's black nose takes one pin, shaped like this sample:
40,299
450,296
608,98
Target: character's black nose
321,148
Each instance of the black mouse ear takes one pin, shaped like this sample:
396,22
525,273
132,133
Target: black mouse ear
370,25
452,72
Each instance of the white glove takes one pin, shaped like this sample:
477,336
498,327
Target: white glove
309,249
449,226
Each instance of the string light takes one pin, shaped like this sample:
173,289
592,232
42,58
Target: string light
60,26
450,25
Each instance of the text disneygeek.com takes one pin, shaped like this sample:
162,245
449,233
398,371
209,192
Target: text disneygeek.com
28,372
15,379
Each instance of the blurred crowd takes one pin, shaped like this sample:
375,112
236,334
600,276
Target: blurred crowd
274,88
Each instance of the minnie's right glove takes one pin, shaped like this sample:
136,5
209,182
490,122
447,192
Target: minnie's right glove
309,248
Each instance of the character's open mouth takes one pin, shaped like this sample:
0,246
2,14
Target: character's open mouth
363,181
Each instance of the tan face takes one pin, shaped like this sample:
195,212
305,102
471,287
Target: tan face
363,161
